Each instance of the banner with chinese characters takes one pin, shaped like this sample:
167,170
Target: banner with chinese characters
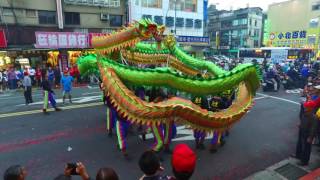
3,40
279,55
196,40
294,39
55,40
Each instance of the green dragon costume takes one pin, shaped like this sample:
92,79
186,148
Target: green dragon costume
115,51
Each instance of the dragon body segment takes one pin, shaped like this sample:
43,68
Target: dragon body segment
165,52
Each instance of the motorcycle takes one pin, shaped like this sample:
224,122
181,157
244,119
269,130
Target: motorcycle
267,85
287,83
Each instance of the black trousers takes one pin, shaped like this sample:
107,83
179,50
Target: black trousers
28,94
303,149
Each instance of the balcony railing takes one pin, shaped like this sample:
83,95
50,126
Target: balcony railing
101,3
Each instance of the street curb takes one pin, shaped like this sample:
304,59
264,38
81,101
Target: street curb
270,172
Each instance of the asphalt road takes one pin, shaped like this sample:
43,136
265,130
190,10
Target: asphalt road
45,143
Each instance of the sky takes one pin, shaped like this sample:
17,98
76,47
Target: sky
236,4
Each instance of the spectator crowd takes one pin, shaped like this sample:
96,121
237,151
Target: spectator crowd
183,162
12,77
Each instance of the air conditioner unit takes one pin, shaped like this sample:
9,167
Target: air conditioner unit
104,17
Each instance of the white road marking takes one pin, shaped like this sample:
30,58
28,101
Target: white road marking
257,98
278,98
18,97
4,95
22,113
74,100
294,91
181,130
92,93
92,87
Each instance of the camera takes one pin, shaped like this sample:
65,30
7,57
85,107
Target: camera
73,167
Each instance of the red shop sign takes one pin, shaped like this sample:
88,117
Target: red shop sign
3,40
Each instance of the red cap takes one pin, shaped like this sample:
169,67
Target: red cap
183,159
310,105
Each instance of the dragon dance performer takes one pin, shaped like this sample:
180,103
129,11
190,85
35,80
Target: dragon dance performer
157,95
114,120
122,126
200,135
111,116
140,92
169,127
216,104
111,113
48,95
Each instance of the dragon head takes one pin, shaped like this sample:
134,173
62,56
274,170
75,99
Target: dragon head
148,29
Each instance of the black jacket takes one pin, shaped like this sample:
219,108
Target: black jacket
46,86
308,123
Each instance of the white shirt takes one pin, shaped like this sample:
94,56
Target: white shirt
26,81
32,72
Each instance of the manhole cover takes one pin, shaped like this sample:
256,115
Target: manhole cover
291,172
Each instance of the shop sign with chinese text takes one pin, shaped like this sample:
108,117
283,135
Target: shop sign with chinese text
3,40
194,39
54,40
289,35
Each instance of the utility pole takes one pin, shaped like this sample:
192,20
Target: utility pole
175,18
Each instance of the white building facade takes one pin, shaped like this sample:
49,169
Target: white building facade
181,17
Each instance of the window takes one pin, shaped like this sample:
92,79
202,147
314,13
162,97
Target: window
19,12
311,40
250,22
145,16
31,13
243,21
179,22
243,32
81,30
256,33
102,3
198,23
183,5
158,20
226,24
235,33
189,23
151,3
169,21
314,23
116,20
7,12
255,23
316,7
107,30
47,17
72,18
235,22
